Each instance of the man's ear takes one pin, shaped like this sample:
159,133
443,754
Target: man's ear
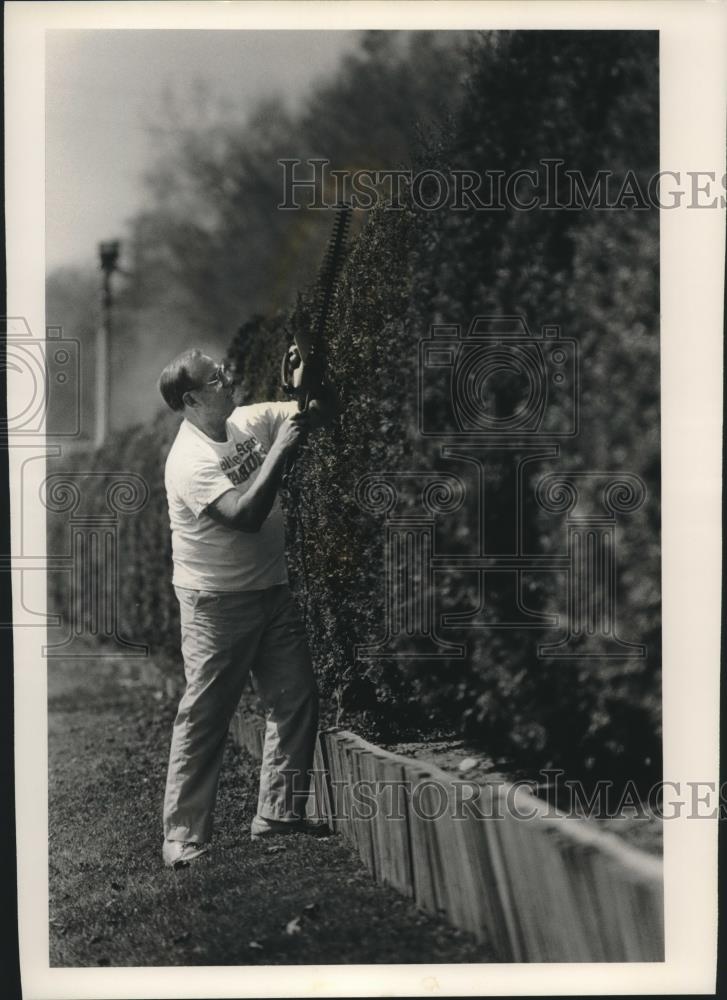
188,399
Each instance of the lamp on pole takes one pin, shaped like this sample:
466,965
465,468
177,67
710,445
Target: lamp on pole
109,255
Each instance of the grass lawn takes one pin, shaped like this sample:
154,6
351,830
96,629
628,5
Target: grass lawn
113,903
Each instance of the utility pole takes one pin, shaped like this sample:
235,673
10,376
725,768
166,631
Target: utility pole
109,255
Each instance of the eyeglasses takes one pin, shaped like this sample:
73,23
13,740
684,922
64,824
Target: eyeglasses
222,376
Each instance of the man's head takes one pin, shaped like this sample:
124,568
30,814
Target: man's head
196,385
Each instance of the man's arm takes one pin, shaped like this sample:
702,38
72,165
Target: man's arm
247,511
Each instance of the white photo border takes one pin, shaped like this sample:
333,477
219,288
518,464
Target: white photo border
693,92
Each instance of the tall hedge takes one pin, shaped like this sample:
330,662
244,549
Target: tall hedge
595,275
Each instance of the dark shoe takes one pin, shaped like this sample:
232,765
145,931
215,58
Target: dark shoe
262,828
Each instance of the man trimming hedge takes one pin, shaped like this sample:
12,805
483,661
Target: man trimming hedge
222,478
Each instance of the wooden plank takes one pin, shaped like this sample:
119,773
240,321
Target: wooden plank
321,808
396,835
488,923
332,745
640,931
361,824
525,886
235,728
457,876
246,734
425,895
581,866
568,931
324,786
490,805
347,777
380,833
434,806
368,827
597,880
311,803
649,906
338,802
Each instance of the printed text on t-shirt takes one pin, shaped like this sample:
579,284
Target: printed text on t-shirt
239,467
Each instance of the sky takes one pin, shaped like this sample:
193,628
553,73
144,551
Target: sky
105,89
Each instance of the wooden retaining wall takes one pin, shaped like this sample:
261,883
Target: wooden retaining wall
540,889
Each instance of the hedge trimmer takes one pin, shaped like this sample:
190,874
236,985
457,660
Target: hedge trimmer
303,369
303,378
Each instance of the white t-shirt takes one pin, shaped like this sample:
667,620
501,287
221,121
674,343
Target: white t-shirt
207,555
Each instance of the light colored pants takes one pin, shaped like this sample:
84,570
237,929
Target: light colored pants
225,636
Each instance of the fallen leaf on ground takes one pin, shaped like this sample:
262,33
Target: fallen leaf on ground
293,926
256,945
275,849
